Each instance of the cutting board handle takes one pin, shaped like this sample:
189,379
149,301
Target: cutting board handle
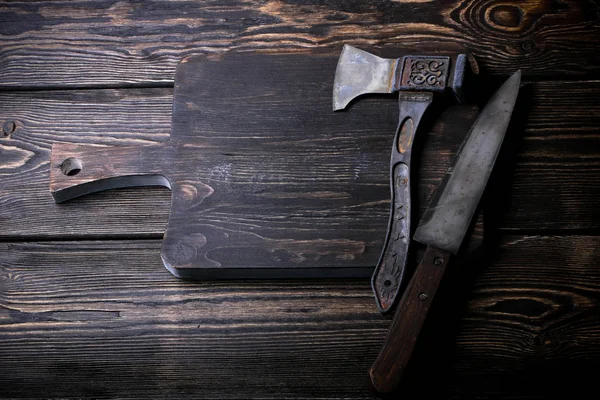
76,170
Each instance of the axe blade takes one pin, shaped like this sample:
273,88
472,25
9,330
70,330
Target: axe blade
359,72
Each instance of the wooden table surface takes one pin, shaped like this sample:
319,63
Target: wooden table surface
87,309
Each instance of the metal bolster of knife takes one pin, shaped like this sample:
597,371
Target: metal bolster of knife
417,79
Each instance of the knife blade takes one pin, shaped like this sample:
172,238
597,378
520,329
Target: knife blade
443,228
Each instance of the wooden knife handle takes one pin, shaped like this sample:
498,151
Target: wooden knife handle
76,170
408,320
388,274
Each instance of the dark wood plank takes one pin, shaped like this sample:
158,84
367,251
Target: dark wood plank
99,43
556,160
104,319
552,187
108,320
539,303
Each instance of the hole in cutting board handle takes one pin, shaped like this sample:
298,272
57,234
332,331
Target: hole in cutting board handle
71,166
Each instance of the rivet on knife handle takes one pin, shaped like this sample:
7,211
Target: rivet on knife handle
408,320
387,277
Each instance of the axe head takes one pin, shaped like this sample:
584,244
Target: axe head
359,72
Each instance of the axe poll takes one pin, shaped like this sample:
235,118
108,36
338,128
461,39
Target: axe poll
416,78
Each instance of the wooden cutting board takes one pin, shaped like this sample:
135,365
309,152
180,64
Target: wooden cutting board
267,180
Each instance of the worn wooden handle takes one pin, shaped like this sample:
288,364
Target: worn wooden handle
408,320
388,274
77,170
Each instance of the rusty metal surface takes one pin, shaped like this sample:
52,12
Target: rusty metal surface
424,73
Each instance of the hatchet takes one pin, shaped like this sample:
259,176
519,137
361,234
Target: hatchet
416,79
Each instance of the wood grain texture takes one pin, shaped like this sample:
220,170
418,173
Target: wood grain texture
105,117
543,314
555,161
98,43
104,319
263,174
218,340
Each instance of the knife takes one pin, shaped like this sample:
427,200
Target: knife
442,229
